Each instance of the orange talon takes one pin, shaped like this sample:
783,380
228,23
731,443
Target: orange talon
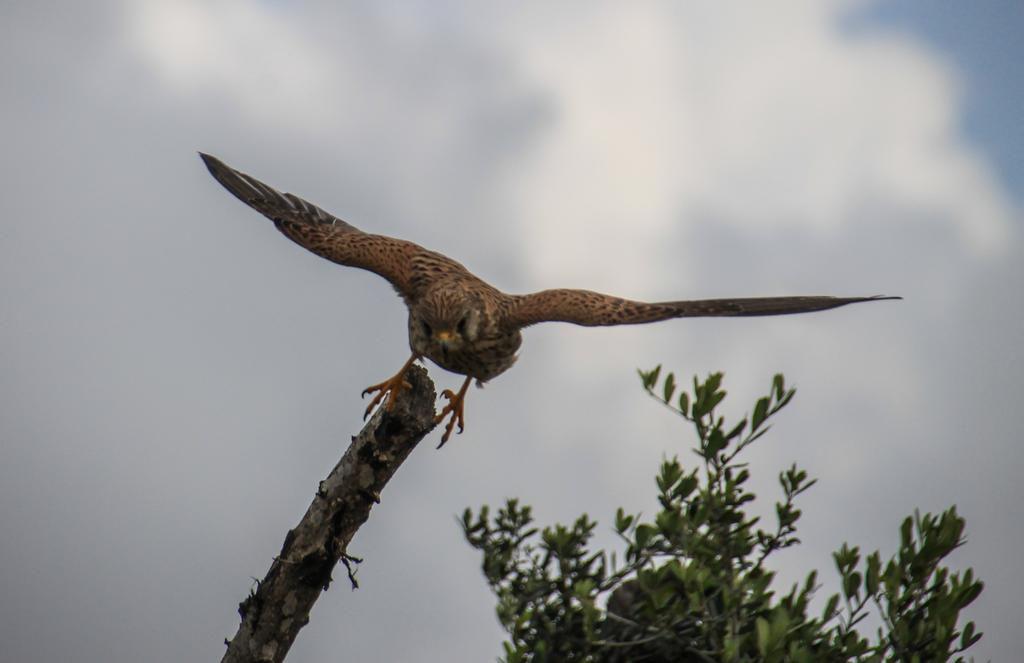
454,407
390,387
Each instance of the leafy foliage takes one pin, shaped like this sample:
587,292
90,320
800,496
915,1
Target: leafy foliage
693,583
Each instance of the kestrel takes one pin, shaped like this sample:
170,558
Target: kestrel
457,320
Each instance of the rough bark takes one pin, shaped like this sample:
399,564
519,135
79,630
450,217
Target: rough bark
279,607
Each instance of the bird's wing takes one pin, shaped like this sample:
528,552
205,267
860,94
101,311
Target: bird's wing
593,309
328,236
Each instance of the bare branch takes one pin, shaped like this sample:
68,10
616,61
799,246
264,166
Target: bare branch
279,606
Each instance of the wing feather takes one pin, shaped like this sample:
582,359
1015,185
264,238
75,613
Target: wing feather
328,236
592,309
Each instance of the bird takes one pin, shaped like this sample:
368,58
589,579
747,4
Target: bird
457,320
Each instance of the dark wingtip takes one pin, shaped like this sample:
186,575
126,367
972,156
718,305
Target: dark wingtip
878,298
212,163
236,183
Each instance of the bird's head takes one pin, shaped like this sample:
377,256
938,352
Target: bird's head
448,319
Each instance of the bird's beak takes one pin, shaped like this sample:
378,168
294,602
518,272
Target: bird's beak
445,336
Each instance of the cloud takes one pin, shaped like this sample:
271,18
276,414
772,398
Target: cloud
659,115
769,118
253,53
186,373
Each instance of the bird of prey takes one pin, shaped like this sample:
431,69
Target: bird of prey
457,320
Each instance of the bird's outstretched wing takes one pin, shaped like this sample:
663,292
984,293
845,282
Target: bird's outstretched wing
593,309
328,236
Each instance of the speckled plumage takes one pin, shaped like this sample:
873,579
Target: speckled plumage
457,320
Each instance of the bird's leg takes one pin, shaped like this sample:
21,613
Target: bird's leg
392,386
454,407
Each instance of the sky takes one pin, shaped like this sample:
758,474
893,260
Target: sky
176,377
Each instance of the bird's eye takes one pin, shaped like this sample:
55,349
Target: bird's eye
461,327
426,328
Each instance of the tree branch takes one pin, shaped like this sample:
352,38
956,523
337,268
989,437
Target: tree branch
279,607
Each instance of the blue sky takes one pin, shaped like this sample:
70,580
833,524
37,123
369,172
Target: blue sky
983,40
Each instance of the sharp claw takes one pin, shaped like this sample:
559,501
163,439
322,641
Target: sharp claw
452,410
385,390
448,432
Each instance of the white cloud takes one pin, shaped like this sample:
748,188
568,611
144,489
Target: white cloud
251,52
769,117
773,117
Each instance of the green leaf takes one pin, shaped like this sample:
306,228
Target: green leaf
830,608
622,521
669,475
905,530
716,442
763,635
643,534
737,430
684,403
584,588
812,580
676,568
650,378
708,394
685,486
780,624
969,637
670,387
714,400
760,413
871,579
851,585
661,595
970,594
